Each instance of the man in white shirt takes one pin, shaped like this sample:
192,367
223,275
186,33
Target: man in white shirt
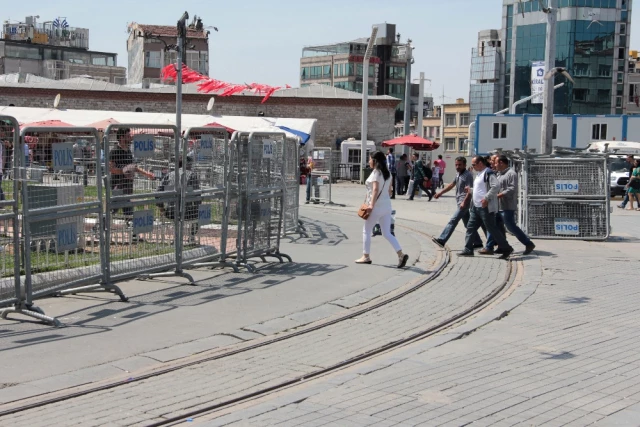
484,207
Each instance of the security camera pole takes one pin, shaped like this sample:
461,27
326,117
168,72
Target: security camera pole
550,63
365,101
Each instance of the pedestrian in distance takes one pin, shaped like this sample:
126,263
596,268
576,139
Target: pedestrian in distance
484,206
443,166
463,180
421,177
508,204
391,165
634,186
402,175
632,165
379,209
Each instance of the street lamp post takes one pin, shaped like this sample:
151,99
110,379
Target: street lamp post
550,63
407,91
365,101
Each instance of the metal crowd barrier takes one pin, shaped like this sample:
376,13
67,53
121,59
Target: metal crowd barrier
207,236
321,175
257,163
564,196
143,233
12,296
292,223
148,207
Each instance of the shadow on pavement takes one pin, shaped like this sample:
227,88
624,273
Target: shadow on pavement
320,233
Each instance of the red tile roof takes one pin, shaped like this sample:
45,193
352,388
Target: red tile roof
171,31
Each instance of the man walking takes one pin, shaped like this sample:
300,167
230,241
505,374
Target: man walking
421,175
508,204
484,206
402,175
463,180
391,165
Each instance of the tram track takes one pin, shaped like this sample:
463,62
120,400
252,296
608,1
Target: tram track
444,262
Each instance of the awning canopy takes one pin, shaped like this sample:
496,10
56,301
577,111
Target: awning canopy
413,141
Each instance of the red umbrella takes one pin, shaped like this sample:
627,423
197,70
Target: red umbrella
218,125
413,141
103,124
47,124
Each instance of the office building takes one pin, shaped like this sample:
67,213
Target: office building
341,65
146,47
592,44
54,50
633,81
486,73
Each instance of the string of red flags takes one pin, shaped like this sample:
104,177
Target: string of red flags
208,85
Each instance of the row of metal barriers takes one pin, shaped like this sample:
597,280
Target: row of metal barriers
81,210
564,195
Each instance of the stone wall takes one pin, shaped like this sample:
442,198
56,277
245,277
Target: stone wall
336,117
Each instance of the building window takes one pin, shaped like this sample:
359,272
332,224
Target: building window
599,131
398,73
353,156
138,110
499,131
450,144
152,59
395,90
450,120
464,119
463,145
554,131
580,94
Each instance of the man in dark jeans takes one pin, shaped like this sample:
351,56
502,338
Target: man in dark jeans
420,172
484,206
463,180
508,204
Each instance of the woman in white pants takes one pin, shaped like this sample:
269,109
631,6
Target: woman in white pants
379,200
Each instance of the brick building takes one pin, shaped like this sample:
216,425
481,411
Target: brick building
338,112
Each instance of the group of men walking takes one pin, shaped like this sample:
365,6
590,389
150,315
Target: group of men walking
488,201
411,175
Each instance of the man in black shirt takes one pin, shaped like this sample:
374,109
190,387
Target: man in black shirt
123,169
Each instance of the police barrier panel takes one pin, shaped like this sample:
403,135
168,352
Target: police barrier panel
569,178
258,167
321,176
143,236
205,221
61,238
11,290
564,195
292,223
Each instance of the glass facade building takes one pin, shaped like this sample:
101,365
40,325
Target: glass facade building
485,76
592,44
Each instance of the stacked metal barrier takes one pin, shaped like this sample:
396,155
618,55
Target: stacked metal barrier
565,196
321,175
291,177
257,166
144,203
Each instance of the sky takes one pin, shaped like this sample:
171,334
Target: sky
261,41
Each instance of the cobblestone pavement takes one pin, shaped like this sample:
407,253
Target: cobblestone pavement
568,355
460,286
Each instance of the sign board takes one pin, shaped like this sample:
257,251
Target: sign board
567,227
206,145
320,181
62,156
537,82
143,146
204,214
566,186
265,210
267,149
67,236
143,222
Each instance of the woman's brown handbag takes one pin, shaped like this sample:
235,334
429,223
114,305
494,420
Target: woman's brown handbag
362,212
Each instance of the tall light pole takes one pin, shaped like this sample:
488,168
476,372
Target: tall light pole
365,101
407,90
550,63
